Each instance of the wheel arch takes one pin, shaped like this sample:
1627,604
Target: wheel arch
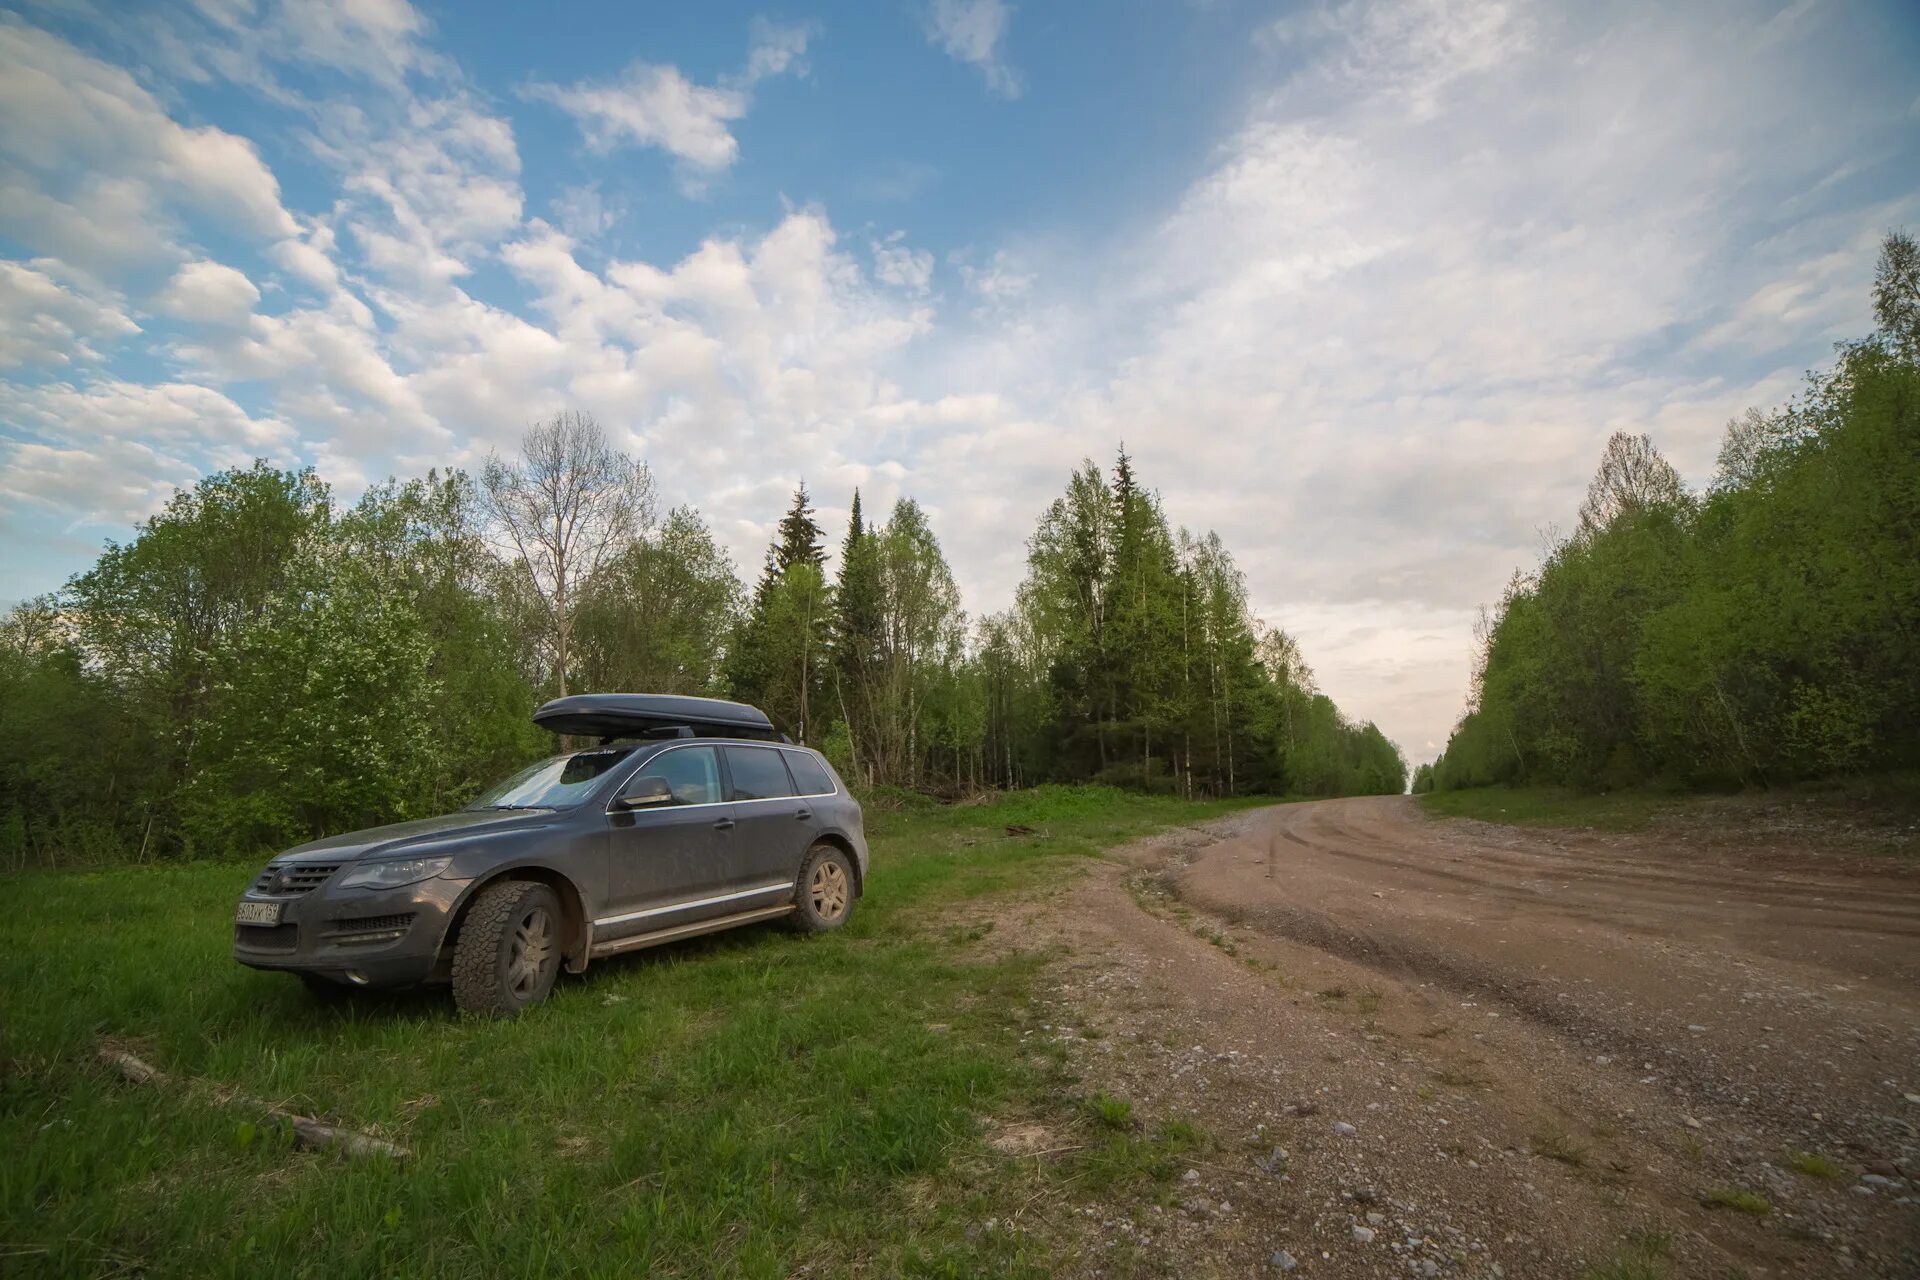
574,923
845,846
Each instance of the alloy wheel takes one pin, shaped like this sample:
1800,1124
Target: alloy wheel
529,951
828,890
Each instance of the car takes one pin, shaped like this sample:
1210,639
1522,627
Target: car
689,815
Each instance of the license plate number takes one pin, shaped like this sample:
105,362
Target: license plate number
258,913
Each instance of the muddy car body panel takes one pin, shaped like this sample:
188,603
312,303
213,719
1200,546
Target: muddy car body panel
686,830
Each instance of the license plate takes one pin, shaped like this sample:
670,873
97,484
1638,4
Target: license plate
258,913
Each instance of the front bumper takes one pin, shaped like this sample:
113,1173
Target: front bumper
364,937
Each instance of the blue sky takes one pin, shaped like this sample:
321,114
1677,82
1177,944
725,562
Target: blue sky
1363,287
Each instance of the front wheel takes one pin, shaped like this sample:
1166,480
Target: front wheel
508,951
825,897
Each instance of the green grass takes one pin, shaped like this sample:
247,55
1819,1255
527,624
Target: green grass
1814,1165
1553,807
1642,1257
1740,1200
1111,1112
1874,815
746,1104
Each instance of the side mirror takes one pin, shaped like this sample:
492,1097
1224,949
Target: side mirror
645,793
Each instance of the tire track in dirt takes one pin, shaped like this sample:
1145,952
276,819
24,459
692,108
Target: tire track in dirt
1531,1073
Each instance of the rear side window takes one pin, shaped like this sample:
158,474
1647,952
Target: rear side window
758,773
809,774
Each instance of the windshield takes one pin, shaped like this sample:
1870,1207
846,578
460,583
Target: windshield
559,782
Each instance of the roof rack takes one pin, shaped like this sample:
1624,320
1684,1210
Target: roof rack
653,715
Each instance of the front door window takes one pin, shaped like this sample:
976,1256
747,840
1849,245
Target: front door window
691,773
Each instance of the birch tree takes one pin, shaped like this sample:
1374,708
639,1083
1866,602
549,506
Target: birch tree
565,509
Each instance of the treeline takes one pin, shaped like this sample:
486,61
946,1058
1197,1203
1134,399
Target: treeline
1763,631
261,663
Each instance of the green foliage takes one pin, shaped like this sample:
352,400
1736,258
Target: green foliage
658,616
254,669
1758,633
258,667
1815,1165
1131,657
1738,1199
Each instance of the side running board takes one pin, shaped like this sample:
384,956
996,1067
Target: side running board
615,946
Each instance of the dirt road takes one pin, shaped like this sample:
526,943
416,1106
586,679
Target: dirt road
1438,1047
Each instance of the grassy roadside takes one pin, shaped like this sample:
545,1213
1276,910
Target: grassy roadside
1877,816
1554,807
746,1104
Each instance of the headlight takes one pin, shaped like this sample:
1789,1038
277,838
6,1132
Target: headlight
391,873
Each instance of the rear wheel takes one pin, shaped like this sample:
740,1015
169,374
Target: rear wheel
825,897
508,951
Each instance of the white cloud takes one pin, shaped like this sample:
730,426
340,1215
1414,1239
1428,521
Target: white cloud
654,105
971,31
1001,281
47,323
104,155
899,264
110,452
584,212
209,293
775,49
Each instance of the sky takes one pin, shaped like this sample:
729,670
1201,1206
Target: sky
1362,287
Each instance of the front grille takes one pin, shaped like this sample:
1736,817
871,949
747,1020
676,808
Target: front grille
350,930
291,879
267,937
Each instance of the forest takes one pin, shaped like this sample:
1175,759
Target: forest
261,663
1764,631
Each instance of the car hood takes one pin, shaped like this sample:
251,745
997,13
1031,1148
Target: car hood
398,837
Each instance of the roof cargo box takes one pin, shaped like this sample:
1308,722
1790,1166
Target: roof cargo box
653,715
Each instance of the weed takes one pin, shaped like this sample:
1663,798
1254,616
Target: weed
1334,993
1460,1078
1181,1135
1641,1257
1739,1199
1111,1112
1369,1001
1814,1165
1555,1144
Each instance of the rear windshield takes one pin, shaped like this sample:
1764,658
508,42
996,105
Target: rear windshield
559,782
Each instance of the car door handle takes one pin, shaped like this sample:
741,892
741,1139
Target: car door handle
725,824
804,814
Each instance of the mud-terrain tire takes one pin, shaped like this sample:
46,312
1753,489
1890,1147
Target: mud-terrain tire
508,951
823,896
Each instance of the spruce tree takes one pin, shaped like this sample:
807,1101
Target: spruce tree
799,540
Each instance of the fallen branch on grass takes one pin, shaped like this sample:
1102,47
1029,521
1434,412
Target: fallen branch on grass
306,1130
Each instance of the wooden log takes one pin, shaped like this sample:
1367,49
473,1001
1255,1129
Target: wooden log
307,1131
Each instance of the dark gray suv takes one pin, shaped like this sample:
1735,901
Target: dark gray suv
692,815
